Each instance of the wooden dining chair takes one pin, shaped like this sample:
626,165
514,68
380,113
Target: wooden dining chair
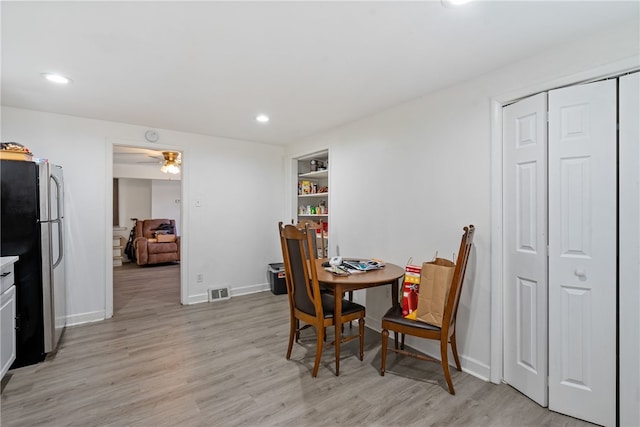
306,303
317,227
393,320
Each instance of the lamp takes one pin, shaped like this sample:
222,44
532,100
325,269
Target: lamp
171,162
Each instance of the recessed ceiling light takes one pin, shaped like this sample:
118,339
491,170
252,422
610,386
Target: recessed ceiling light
455,3
262,118
56,78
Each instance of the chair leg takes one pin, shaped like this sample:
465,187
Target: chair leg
454,349
402,343
292,334
350,299
445,364
297,330
320,341
361,327
395,338
383,351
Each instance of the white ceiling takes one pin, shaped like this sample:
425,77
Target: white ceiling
210,67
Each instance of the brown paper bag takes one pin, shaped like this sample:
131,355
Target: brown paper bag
435,282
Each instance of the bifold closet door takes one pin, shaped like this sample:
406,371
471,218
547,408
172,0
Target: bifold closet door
525,246
629,170
582,251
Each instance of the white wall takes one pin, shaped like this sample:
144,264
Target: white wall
227,239
422,171
150,174
165,201
149,198
134,200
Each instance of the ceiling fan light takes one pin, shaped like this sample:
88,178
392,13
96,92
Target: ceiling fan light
170,168
171,162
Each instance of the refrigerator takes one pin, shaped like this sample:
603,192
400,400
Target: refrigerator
32,227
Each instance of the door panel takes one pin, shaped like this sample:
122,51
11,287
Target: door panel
629,250
525,244
582,251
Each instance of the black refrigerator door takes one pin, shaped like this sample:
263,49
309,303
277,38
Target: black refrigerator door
20,235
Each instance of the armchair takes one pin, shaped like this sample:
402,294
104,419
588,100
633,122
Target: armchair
154,248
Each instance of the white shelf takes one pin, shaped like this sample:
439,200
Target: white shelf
316,175
302,196
317,201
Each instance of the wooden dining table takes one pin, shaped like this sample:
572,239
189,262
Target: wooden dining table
390,274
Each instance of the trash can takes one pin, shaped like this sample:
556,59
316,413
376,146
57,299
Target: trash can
277,279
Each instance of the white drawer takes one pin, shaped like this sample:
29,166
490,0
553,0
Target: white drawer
7,277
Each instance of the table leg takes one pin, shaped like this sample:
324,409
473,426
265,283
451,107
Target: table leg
395,287
394,292
337,313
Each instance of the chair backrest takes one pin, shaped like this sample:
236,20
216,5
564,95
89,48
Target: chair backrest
453,299
300,269
318,229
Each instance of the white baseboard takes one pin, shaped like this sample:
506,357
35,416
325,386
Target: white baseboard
235,292
252,289
197,299
79,319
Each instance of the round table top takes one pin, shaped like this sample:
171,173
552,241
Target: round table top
388,274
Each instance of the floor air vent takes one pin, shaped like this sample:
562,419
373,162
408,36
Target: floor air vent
219,294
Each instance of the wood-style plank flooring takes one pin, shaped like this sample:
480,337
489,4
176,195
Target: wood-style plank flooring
157,363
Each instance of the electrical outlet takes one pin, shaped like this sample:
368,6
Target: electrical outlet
199,277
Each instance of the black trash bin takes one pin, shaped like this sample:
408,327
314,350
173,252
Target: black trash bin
277,279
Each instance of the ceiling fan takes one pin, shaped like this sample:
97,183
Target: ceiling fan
172,162
169,160
156,160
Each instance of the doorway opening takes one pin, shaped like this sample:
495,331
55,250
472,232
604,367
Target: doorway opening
142,191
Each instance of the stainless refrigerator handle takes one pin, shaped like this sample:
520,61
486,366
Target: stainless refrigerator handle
60,244
59,222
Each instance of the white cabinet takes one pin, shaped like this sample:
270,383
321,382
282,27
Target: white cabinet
7,314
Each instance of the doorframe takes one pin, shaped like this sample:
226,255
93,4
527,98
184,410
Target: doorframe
629,64
184,236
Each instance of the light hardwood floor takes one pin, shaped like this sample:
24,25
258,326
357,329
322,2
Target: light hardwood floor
157,363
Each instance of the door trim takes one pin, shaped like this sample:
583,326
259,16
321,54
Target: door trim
184,212
609,70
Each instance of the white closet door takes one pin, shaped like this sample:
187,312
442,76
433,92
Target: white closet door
525,246
582,251
629,170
